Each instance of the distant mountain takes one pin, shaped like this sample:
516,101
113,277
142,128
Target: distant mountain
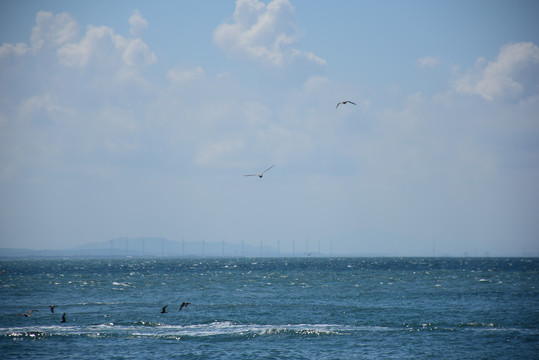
148,246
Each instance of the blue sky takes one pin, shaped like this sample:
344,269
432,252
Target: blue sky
137,118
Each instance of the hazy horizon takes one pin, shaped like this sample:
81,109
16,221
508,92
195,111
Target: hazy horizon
163,247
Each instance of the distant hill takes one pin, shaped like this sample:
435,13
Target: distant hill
148,246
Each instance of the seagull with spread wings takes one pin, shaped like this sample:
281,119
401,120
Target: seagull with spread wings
28,313
345,102
262,173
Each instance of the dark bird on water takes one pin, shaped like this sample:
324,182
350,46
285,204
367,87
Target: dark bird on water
27,314
52,308
262,173
64,318
164,309
184,304
345,102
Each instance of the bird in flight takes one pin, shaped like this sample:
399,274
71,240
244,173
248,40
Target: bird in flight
345,102
184,304
164,309
63,318
52,308
28,313
262,173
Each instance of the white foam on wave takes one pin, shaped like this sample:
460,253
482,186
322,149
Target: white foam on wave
217,328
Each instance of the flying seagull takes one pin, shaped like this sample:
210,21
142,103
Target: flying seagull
262,173
52,308
184,304
345,102
64,318
28,313
164,309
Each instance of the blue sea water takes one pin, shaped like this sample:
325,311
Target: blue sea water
271,308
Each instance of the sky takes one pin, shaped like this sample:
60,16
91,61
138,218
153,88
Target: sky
139,119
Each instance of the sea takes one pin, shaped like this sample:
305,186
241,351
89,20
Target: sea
270,308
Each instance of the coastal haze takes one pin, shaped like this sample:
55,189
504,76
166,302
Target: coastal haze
133,120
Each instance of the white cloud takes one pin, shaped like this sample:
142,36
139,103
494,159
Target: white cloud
498,78
137,53
263,33
20,49
52,31
429,61
99,41
38,104
220,153
101,44
138,24
180,76
315,83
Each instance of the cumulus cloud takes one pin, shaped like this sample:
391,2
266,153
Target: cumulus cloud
497,79
99,45
19,49
263,33
180,76
138,24
138,53
102,44
429,61
52,31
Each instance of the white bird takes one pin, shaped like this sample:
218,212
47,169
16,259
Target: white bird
262,173
345,102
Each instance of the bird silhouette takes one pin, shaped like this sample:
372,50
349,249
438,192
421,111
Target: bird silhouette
164,309
262,173
64,318
27,314
345,102
184,304
52,308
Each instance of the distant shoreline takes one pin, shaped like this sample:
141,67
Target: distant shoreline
159,247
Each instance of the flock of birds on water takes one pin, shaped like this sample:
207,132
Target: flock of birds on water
183,304
63,320
339,103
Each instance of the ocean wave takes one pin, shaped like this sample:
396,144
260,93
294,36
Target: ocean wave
225,329
158,330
